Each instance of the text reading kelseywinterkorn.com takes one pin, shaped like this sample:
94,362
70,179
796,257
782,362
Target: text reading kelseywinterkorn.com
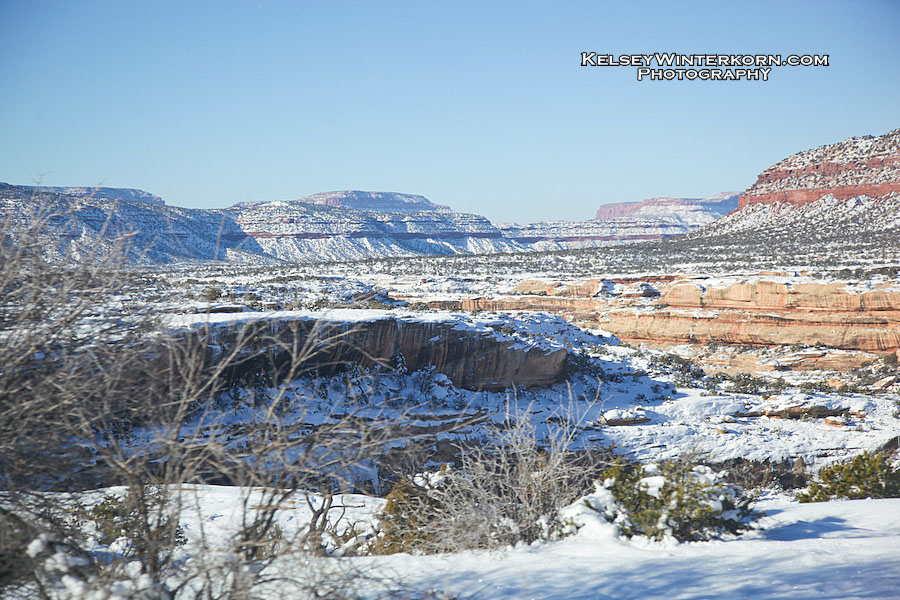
668,66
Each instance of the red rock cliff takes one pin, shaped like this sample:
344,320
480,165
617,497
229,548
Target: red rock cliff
857,166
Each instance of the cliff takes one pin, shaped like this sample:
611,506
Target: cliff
300,231
857,166
471,356
763,311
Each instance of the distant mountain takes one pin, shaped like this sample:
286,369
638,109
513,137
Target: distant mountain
295,231
690,211
333,226
157,234
82,192
562,235
857,166
303,231
377,201
623,222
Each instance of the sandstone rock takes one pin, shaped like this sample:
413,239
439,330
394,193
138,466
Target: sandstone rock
884,382
852,328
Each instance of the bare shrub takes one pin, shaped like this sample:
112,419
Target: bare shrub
507,491
94,395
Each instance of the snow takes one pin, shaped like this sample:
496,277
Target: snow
832,550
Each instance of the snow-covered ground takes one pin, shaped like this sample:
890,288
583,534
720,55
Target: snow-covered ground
832,550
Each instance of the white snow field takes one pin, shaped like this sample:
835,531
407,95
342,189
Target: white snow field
831,550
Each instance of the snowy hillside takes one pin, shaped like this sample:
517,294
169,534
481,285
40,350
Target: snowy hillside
303,232
252,233
155,233
857,166
828,221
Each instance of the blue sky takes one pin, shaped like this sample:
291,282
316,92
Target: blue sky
482,106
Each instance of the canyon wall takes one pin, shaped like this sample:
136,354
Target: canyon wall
763,311
470,358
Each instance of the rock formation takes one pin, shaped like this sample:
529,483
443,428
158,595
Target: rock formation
687,209
762,311
378,201
473,358
857,166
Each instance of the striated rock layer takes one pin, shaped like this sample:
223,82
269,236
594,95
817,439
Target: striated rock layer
758,311
858,166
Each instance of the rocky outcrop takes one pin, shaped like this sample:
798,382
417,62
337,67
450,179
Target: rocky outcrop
766,313
780,295
859,166
471,357
770,312
747,328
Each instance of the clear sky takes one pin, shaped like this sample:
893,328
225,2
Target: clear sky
480,105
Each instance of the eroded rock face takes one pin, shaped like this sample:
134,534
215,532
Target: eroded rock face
471,358
766,313
758,311
747,328
867,166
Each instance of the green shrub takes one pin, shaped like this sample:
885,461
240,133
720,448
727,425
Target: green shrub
140,518
676,498
403,520
865,476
